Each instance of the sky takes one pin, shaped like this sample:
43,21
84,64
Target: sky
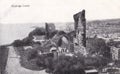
56,10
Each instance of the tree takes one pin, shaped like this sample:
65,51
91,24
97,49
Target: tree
27,40
37,31
68,64
98,46
52,34
17,43
24,42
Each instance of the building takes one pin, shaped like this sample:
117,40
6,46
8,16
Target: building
39,38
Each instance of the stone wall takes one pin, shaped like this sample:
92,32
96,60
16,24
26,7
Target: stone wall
3,58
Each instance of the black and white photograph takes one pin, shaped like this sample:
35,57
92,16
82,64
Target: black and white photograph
59,36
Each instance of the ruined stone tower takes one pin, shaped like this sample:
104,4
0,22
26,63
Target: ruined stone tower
80,28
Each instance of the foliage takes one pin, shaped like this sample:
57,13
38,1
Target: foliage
25,42
61,33
99,53
28,59
62,64
98,45
17,43
28,40
37,31
96,62
66,63
52,34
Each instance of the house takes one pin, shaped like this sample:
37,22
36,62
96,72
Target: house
39,38
91,70
28,47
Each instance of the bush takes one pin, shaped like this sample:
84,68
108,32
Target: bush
67,64
24,42
37,31
98,45
62,64
96,62
29,60
17,43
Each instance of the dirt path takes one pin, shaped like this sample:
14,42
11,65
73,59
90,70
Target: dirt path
14,67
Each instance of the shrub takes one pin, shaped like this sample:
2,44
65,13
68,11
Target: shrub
24,42
98,45
63,64
17,43
37,31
